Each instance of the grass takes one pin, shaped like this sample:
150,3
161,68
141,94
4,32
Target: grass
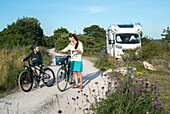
11,66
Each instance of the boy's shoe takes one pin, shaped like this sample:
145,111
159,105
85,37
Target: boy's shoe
37,86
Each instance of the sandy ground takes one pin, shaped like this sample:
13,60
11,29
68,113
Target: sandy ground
49,100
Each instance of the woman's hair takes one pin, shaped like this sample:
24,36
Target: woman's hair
75,37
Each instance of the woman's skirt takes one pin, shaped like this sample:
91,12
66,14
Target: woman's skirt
76,66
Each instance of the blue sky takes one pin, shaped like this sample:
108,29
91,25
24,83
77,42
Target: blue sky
75,15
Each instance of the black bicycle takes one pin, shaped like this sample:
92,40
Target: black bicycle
26,77
64,74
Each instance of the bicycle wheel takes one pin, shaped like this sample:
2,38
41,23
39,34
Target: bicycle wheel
62,79
25,81
71,78
48,77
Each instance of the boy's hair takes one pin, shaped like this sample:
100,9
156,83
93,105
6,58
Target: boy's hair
33,47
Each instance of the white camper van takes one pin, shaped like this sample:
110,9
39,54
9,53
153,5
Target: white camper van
121,38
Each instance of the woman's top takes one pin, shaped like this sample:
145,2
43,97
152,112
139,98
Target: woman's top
75,56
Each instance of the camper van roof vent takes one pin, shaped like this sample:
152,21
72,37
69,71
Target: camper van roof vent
125,26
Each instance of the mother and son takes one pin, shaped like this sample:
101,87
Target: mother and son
76,48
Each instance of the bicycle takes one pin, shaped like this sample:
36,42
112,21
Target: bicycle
26,77
64,75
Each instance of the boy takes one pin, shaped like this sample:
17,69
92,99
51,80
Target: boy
37,60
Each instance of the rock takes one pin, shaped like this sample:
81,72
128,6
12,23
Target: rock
148,66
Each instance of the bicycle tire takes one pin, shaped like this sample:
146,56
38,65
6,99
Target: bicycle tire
48,77
25,81
62,79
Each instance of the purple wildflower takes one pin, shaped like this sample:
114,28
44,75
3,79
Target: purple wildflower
77,97
116,87
156,82
144,111
115,83
96,82
102,87
104,74
146,85
136,81
73,98
131,87
109,83
129,68
142,82
131,102
130,81
155,92
78,91
102,99
59,111
86,108
166,95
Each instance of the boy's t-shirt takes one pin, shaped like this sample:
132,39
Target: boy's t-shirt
36,58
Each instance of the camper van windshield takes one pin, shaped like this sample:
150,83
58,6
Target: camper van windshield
127,38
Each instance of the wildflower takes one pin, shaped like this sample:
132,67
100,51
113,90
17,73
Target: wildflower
115,83
84,94
131,87
130,81
59,111
96,82
102,99
78,91
104,74
142,82
144,111
86,108
116,87
155,92
129,68
136,81
109,83
102,87
77,97
146,85
73,99
131,102
156,82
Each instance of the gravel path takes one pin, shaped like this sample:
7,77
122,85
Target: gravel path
50,100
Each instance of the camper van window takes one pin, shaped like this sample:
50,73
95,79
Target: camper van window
127,38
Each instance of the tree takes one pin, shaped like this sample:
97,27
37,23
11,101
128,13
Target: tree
95,31
166,34
26,30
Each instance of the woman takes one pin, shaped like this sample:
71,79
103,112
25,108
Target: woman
76,48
